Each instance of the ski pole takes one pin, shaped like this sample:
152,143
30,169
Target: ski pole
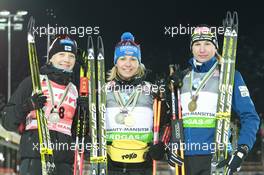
154,167
180,119
81,122
156,108
177,125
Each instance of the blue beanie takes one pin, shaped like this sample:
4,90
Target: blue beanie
128,47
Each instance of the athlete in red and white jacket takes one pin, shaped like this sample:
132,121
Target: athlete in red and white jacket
58,100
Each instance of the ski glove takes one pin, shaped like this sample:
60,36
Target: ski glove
174,159
37,101
233,162
83,102
177,77
156,152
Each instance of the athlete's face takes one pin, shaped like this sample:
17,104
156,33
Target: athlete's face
63,60
127,67
203,50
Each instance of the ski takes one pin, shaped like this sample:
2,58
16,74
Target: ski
176,122
101,107
226,82
82,115
92,108
46,151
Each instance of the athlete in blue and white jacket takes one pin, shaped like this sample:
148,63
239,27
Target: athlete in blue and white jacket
199,120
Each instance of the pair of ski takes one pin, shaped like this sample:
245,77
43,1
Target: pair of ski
92,84
45,149
226,83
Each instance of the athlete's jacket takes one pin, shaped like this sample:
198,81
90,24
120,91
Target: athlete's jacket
199,125
131,131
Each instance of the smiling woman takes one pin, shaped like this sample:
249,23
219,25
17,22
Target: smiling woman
63,60
57,87
127,67
129,113
127,60
61,54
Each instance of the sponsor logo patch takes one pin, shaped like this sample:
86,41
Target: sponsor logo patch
243,91
68,48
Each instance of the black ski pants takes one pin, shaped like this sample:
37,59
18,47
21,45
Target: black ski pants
198,165
33,167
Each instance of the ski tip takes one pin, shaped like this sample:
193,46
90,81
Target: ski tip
235,20
231,20
100,45
228,15
31,24
90,43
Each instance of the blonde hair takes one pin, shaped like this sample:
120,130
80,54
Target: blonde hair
113,73
218,57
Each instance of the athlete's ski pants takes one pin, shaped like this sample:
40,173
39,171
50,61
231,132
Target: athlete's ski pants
198,165
33,167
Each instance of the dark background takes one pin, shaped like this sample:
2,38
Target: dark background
146,20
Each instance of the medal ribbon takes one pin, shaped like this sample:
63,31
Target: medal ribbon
207,76
51,94
133,98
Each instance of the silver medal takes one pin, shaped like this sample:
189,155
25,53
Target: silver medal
120,117
54,117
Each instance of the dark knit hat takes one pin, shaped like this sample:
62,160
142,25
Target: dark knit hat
63,44
203,32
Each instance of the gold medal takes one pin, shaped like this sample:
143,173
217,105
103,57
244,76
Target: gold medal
54,117
129,120
193,104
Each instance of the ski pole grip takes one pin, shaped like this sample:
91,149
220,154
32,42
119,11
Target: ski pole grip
83,86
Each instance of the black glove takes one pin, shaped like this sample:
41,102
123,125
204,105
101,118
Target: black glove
83,102
233,162
173,158
156,152
177,77
37,101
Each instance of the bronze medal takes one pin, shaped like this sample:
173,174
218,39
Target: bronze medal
193,104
